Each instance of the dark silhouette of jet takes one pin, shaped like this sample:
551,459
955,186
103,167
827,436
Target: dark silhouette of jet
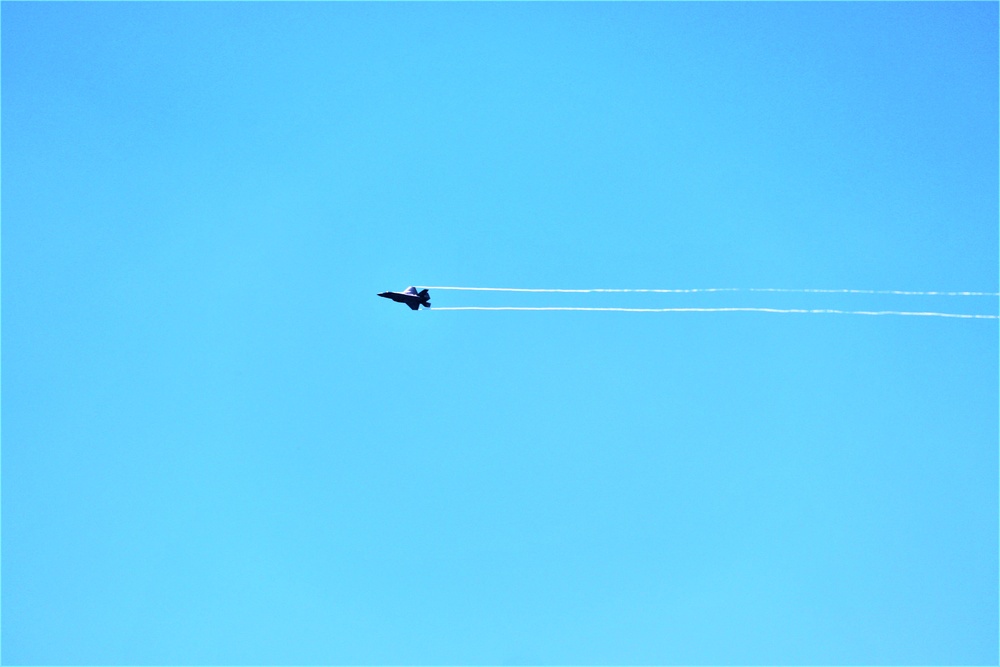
411,297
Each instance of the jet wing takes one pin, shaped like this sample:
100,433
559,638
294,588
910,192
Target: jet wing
412,305
411,291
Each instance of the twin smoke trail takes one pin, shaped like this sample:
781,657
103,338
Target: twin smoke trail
725,309
719,289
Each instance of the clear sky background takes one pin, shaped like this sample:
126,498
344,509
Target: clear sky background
220,447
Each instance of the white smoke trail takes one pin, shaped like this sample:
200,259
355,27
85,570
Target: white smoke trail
715,289
733,310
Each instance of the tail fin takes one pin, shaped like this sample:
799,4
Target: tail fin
425,298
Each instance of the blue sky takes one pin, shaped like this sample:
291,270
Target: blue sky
219,447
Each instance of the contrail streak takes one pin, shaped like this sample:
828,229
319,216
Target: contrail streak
714,289
733,310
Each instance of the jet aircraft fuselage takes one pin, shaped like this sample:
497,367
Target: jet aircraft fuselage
411,297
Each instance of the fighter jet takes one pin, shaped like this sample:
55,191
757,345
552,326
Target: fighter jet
411,297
